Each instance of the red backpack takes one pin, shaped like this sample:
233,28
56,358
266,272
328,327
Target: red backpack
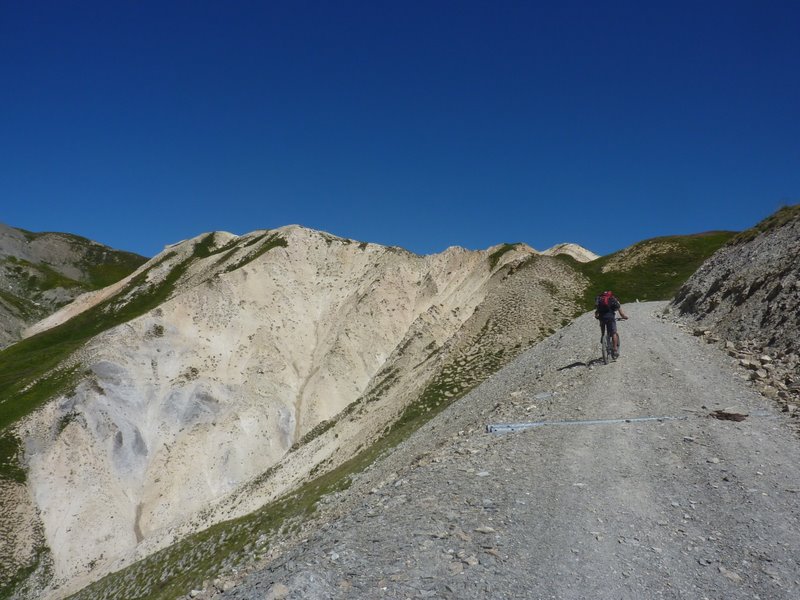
606,302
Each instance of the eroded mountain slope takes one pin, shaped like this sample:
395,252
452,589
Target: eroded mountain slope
254,361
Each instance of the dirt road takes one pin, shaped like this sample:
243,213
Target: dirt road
689,507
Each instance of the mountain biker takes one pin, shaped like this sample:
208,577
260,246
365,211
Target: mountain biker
605,306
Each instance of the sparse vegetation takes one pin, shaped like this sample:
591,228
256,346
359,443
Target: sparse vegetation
23,307
550,286
270,241
315,432
65,420
37,278
104,268
778,219
29,235
389,377
495,256
9,458
205,247
227,256
33,575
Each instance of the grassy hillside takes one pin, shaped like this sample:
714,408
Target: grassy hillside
57,267
100,266
651,270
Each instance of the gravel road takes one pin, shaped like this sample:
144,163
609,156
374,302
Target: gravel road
690,507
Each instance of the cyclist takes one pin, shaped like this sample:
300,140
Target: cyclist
605,306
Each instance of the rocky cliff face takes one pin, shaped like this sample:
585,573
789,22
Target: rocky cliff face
261,359
41,272
750,289
748,293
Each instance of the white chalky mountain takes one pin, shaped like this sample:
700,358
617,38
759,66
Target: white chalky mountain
268,357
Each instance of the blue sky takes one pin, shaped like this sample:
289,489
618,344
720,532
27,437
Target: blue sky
419,124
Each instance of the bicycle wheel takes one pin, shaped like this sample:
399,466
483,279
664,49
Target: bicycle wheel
604,348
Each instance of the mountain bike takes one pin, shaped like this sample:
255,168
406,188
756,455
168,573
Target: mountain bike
607,344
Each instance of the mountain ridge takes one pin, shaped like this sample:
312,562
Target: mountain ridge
168,387
91,299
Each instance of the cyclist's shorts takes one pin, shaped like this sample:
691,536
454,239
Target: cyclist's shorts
608,325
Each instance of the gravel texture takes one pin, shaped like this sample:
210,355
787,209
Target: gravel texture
686,507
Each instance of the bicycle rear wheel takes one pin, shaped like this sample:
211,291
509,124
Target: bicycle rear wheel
604,348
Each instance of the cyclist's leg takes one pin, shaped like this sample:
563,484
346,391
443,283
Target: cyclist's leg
612,331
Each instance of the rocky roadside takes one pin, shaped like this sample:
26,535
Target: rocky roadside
749,290
775,373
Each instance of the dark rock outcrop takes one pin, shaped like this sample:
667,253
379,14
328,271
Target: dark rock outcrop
749,290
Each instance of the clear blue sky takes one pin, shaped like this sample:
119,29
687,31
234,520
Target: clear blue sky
419,124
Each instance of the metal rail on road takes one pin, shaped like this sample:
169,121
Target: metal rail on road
510,427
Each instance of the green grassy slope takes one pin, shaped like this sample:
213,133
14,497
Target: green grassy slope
658,267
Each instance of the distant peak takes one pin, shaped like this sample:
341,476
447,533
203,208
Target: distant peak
520,246
577,252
